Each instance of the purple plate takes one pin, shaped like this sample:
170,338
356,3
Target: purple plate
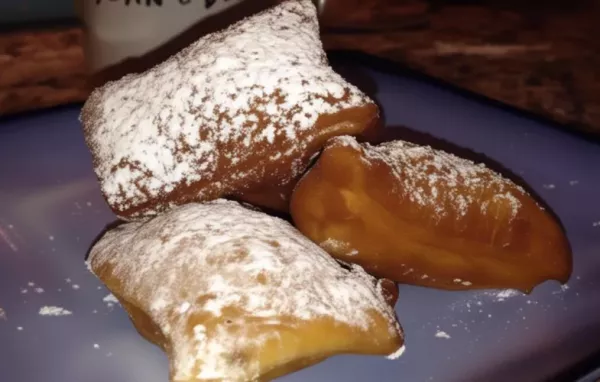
51,210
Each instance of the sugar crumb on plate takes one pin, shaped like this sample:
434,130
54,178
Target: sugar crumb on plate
110,300
54,311
442,334
549,186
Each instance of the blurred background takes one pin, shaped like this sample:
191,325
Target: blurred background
539,57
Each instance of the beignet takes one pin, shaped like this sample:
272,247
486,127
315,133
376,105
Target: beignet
233,294
421,216
237,111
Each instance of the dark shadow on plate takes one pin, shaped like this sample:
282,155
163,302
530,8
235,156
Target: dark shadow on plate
27,114
391,133
360,78
354,60
110,226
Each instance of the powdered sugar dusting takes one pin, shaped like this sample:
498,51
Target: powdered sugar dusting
442,334
504,294
54,311
439,181
397,354
336,246
258,86
221,256
478,298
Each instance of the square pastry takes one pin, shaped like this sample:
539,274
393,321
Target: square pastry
238,111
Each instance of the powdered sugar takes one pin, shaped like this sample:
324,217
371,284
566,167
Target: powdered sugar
251,91
479,298
397,354
222,256
110,300
54,311
504,294
336,246
2,314
442,334
439,181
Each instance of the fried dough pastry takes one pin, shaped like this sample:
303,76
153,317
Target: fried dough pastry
233,294
276,198
237,111
421,216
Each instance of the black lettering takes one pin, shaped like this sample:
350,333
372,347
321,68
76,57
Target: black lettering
209,3
148,3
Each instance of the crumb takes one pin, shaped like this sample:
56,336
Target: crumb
96,346
51,238
596,224
111,300
31,283
10,226
89,204
39,290
441,334
549,186
2,314
573,182
24,290
20,328
53,311
68,281
75,286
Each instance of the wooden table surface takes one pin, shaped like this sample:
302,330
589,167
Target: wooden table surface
546,62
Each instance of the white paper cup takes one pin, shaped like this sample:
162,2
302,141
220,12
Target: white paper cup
119,29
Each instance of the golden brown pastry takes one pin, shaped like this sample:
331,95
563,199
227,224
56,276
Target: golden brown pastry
235,112
275,198
425,217
235,295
